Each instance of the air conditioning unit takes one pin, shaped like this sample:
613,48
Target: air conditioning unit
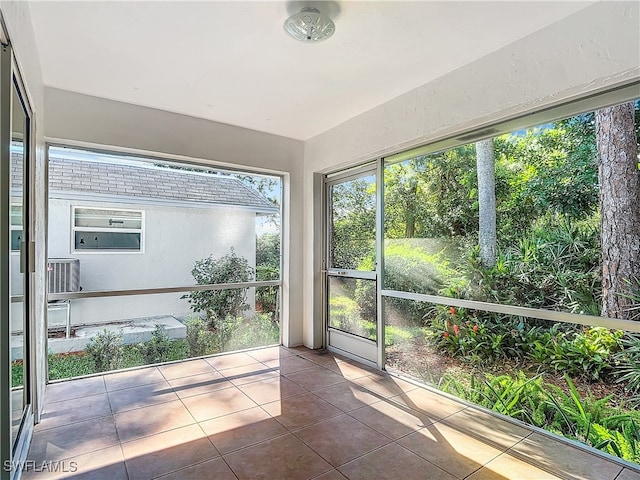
64,275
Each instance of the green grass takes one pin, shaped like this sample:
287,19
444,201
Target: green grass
247,334
77,364
17,373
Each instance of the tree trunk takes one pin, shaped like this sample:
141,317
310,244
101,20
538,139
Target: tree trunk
410,212
619,207
486,166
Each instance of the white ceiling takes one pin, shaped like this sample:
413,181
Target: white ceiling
232,62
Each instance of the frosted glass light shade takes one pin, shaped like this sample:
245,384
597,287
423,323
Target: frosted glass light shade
309,26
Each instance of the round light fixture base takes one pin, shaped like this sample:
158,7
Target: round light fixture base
309,26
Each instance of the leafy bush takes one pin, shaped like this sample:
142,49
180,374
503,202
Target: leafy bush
627,365
268,268
588,355
105,350
200,339
218,304
157,349
550,407
257,331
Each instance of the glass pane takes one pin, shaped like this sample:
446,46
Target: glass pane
16,238
19,347
201,226
85,217
524,368
352,306
135,331
16,210
107,241
512,220
353,224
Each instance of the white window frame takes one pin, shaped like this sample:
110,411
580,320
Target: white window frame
110,251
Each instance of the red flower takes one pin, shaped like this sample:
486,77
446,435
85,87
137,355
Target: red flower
452,310
445,334
456,329
475,328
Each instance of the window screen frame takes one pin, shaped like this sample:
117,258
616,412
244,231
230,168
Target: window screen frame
75,229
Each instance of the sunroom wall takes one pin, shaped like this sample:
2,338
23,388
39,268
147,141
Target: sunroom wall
595,49
84,120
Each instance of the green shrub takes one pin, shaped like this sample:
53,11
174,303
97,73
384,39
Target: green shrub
588,354
584,418
257,331
157,349
217,304
200,340
105,350
627,365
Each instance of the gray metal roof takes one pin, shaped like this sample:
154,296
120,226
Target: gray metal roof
152,183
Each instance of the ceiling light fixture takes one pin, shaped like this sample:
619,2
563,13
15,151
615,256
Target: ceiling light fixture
309,26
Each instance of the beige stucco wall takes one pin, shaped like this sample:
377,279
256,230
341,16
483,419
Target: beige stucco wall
174,239
597,48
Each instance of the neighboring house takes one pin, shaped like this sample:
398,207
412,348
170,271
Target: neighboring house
139,226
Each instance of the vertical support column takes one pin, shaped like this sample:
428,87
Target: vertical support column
380,260
5,246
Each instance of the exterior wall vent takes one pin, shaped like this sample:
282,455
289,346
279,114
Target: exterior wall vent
64,275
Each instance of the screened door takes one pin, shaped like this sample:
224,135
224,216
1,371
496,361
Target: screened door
351,273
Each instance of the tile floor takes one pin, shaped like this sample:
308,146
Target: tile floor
279,414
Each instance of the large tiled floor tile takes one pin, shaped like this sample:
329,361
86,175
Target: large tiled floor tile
331,475
270,353
215,469
385,385
241,429
391,463
487,427
506,467
105,464
198,384
82,387
280,413
282,458
218,403
347,395
449,449
132,378
320,357
253,372
431,403
185,369
290,364
232,360
142,422
391,420
316,378
167,452
628,474
351,370
74,439
271,390
341,439
301,410
564,460
75,410
142,396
